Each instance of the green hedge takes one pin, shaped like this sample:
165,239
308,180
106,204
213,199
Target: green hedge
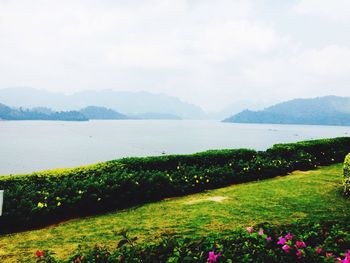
42,198
347,175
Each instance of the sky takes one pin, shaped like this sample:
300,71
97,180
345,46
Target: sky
212,53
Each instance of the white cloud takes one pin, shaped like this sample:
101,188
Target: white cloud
335,9
330,61
140,34
204,51
268,72
126,35
226,40
150,55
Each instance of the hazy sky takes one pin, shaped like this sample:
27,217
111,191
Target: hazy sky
208,52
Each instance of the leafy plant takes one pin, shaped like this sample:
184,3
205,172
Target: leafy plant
326,242
42,198
347,175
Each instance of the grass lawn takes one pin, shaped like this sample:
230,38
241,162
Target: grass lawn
307,196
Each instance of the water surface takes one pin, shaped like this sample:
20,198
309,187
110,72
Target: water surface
27,146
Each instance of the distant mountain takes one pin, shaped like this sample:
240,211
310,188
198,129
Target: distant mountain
329,110
121,101
236,107
156,116
102,113
7,113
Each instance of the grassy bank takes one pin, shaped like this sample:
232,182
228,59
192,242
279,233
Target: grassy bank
40,199
303,196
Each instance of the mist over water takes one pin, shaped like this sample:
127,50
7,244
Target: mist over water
28,146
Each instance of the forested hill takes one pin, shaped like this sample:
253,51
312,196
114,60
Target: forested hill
7,113
102,113
330,110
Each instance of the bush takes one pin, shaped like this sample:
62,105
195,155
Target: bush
45,197
347,175
326,242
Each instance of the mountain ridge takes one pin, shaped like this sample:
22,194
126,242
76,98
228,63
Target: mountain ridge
132,103
327,110
8,113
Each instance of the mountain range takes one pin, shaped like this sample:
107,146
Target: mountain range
85,114
7,113
29,103
329,110
129,103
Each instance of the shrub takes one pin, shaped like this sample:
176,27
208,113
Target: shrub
347,175
326,242
49,196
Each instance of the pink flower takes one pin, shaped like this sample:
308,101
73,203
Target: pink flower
318,250
289,236
347,254
299,254
39,253
261,232
300,244
250,230
347,257
268,238
286,248
281,241
212,257
328,255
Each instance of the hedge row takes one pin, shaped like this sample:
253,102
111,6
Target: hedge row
305,243
42,198
347,175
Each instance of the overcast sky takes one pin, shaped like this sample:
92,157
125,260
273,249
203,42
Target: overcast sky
208,52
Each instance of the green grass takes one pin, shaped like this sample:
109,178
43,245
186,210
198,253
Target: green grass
306,196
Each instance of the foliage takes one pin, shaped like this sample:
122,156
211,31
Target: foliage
7,113
306,196
326,242
45,197
347,175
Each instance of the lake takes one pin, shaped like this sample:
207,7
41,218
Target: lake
27,146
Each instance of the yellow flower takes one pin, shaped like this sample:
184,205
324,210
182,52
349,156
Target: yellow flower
207,180
40,205
59,204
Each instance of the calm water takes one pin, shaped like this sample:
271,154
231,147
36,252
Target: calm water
27,146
